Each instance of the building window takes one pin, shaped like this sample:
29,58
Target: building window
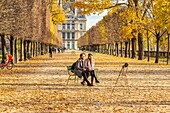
68,26
63,44
81,33
72,26
68,35
81,26
68,45
63,26
73,35
63,35
73,47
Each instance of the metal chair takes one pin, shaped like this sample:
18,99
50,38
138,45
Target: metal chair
71,74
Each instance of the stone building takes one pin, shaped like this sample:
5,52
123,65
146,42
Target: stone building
74,27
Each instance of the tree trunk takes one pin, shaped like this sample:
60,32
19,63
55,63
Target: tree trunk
109,49
140,46
133,47
126,46
33,44
3,42
121,49
157,47
31,49
42,49
21,49
148,44
25,51
28,49
39,48
11,45
36,51
16,51
59,2
113,49
46,50
117,49
129,49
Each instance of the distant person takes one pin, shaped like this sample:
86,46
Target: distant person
53,50
50,52
62,50
58,50
8,58
80,69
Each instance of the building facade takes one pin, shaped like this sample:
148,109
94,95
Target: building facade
74,27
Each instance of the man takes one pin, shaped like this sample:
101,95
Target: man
50,52
89,65
80,69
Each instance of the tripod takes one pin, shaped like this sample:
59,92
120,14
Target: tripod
122,72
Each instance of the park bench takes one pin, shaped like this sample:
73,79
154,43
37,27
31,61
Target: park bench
163,60
74,75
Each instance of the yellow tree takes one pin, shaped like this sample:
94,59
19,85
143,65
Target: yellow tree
96,6
159,16
129,27
57,17
102,32
154,10
93,6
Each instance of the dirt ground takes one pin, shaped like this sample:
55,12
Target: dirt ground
39,86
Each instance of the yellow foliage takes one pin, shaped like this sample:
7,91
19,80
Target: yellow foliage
93,6
153,16
53,30
58,15
103,32
161,15
59,18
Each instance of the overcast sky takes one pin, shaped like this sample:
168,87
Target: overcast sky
93,19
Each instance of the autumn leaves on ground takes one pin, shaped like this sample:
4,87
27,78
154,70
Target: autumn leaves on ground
39,85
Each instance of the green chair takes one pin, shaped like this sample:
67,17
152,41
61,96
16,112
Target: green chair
71,74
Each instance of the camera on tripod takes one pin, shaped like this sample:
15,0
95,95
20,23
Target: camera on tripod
125,65
122,72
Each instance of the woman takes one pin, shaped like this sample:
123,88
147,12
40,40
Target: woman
89,65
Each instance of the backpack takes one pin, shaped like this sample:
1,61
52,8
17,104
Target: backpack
73,66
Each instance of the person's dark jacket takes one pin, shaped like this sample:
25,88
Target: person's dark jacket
79,67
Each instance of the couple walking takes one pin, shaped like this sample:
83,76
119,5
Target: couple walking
84,67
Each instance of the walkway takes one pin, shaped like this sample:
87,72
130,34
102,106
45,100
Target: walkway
39,85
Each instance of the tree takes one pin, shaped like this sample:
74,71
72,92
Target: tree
159,14
58,15
96,6
142,15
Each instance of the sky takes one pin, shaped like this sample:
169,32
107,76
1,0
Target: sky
93,19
